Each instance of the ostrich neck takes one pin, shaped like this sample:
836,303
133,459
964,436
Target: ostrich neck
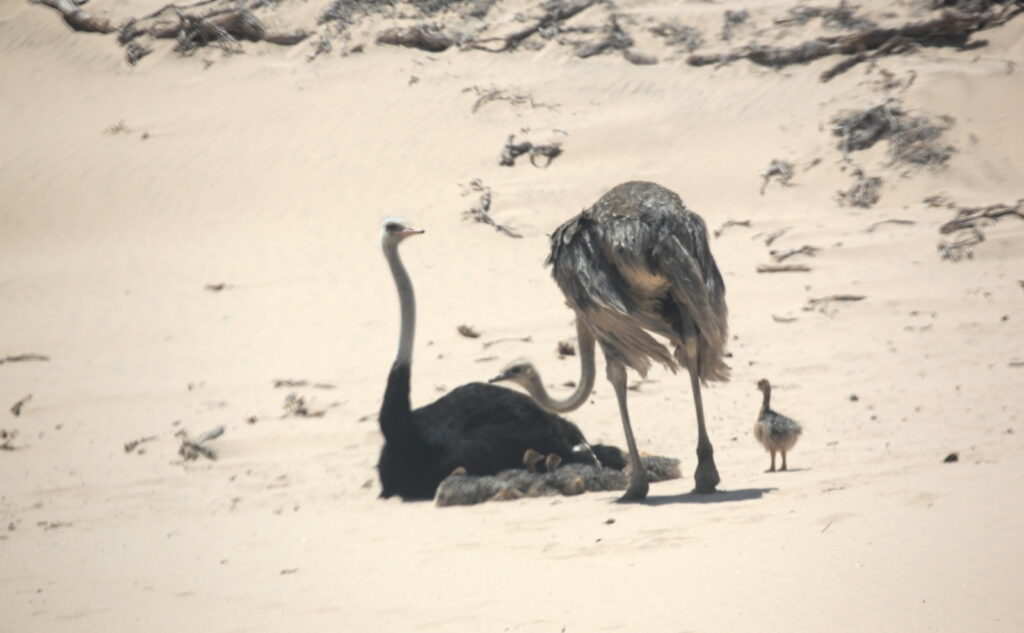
767,399
407,302
585,385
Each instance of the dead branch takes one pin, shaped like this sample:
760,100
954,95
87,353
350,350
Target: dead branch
16,407
422,36
780,169
774,235
133,444
21,358
972,217
481,212
875,225
76,18
191,449
950,29
831,298
295,405
497,94
964,242
806,249
614,39
728,223
556,12
523,339
783,268
513,150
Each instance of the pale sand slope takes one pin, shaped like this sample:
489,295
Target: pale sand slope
271,174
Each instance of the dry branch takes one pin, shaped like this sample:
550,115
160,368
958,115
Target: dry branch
20,358
422,36
875,225
972,217
831,298
523,339
16,407
950,29
78,19
783,268
728,223
191,449
513,150
482,211
780,169
806,249
556,12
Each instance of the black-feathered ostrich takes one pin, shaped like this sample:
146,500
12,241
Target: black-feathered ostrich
480,427
635,263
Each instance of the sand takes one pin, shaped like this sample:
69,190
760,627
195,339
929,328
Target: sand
125,190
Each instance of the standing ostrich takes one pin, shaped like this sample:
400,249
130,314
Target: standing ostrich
480,427
635,263
774,431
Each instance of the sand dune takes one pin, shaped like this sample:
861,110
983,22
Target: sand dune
127,189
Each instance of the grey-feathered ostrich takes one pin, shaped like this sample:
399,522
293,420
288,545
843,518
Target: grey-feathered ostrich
636,263
482,428
775,432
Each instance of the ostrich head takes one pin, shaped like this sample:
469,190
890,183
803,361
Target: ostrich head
394,230
763,385
521,372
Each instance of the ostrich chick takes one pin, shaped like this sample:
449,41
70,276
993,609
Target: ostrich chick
774,431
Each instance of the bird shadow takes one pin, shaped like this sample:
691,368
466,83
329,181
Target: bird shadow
722,496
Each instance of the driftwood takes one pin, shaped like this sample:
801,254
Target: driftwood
555,12
783,268
21,358
78,19
774,235
16,407
875,225
422,36
967,226
482,211
822,303
950,29
778,169
614,39
513,150
728,223
806,249
191,449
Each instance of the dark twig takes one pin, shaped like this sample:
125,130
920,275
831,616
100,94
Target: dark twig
779,169
783,268
728,223
16,407
191,449
806,249
468,331
513,150
875,225
524,339
482,212
20,358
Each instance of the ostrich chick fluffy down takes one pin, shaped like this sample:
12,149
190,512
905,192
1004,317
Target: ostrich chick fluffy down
774,431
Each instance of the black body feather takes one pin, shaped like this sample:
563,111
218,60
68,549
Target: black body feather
483,428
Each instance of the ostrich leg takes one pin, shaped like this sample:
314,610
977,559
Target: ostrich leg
638,485
706,475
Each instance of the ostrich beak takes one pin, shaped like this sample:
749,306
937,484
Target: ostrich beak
406,232
502,376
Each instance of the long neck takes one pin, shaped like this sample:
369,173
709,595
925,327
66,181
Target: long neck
407,302
395,410
767,391
584,386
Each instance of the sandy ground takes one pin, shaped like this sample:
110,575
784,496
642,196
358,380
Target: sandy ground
270,174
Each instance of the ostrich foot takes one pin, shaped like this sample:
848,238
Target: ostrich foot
532,460
637,490
706,476
552,462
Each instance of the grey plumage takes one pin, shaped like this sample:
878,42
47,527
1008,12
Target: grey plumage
629,264
776,432
634,264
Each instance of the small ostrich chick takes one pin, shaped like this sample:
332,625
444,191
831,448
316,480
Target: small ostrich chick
774,431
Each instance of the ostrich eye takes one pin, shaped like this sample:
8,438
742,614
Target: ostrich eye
391,227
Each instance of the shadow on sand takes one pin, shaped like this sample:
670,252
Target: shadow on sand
722,496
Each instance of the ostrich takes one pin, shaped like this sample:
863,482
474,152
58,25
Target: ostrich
774,431
636,263
480,427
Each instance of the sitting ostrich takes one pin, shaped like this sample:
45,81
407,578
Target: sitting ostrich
635,263
774,431
479,427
